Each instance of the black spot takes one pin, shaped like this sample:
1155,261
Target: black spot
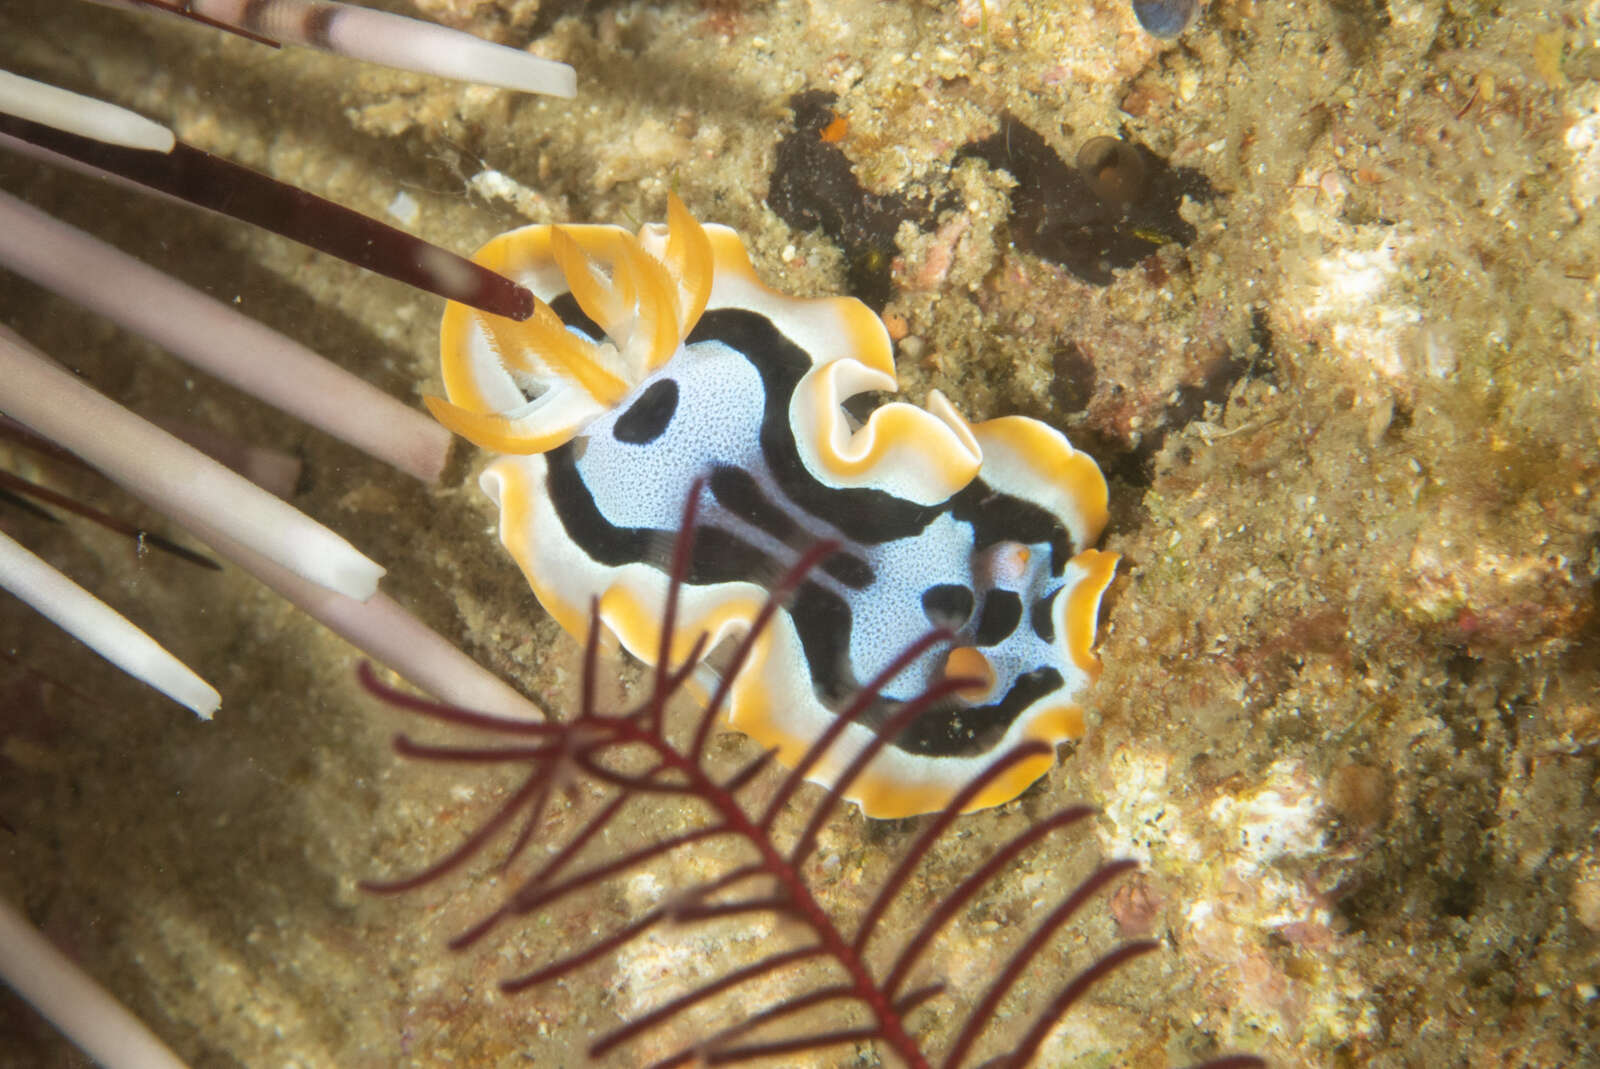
1041,617
647,417
947,605
1002,611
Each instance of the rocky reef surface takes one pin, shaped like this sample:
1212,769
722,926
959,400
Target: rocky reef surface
1327,318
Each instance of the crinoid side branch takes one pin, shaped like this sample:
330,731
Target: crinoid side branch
630,756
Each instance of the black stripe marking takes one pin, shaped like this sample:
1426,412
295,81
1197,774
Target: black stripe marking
720,556
997,517
960,731
1042,618
738,492
849,569
1002,611
822,619
574,505
861,515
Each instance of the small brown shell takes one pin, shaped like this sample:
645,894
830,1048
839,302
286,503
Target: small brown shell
1113,168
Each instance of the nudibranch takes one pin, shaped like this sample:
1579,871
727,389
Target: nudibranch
655,361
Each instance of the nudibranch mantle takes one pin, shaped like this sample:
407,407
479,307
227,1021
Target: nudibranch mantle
657,360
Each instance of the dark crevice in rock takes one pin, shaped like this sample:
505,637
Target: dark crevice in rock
1056,214
814,185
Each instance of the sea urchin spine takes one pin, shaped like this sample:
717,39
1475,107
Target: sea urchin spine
377,37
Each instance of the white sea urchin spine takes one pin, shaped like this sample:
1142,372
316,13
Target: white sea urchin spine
102,628
153,465
210,335
392,40
81,115
83,1010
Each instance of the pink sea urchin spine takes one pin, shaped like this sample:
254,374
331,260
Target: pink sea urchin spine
78,114
82,1009
381,37
216,338
384,630
172,476
102,628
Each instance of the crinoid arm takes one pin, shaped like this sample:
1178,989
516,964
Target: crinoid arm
825,977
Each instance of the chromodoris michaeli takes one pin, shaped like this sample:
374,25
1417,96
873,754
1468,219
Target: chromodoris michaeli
659,360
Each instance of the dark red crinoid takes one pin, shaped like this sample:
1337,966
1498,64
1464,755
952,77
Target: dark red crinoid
631,756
